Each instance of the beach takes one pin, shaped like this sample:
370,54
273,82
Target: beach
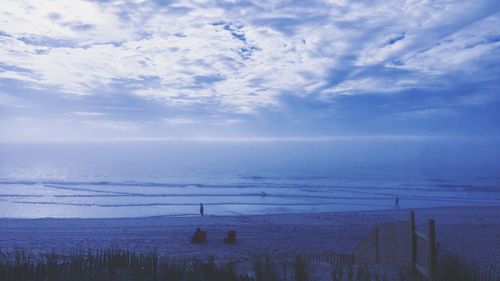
472,232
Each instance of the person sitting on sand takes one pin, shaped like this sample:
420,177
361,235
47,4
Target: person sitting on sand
202,210
200,236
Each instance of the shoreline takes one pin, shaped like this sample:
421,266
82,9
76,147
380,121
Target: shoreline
472,232
194,215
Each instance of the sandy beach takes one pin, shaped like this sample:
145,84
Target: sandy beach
473,232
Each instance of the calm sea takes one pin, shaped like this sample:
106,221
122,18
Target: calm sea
120,179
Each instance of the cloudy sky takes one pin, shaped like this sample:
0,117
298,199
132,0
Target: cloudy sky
101,70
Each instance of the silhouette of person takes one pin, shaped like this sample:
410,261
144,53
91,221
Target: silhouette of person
396,204
202,210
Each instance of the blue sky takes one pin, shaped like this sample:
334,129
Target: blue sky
104,70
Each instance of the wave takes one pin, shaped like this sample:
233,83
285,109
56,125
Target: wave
287,196
297,191
259,178
261,195
389,185
143,184
191,204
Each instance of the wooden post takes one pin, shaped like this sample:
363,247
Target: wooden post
413,243
431,228
376,246
284,271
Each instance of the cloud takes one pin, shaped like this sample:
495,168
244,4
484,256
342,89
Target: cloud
241,57
207,121
461,51
211,62
75,22
86,113
180,121
426,113
371,84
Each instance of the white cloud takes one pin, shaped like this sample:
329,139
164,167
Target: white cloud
370,85
180,121
88,113
426,113
460,51
239,60
207,121
78,21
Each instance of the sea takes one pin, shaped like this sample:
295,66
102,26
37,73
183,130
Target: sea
236,177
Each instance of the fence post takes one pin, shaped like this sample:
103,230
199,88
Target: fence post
284,271
376,246
413,242
431,228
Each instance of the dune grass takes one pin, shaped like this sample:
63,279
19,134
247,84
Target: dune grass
111,265
120,265
452,267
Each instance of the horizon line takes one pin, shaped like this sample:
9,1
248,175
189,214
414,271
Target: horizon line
256,139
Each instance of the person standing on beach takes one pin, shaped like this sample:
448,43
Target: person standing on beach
396,204
202,210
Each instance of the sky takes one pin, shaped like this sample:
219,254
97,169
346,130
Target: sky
256,70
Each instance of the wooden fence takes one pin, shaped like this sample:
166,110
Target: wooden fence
401,244
332,258
128,266
286,266
423,249
452,267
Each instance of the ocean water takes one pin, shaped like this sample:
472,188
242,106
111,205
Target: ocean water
139,179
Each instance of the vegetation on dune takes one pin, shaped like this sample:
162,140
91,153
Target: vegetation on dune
119,265
456,268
